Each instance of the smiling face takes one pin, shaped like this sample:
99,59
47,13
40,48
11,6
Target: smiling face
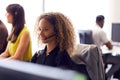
46,32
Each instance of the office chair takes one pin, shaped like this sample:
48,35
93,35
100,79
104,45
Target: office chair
91,56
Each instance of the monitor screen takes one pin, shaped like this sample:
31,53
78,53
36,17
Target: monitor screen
18,70
85,36
115,32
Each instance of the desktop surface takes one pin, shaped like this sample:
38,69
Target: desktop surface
115,51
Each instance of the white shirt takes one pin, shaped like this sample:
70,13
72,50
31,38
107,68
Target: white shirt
99,36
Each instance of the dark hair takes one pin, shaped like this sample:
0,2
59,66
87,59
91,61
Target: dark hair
3,37
18,15
100,18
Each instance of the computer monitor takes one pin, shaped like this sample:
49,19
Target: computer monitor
17,70
85,36
115,32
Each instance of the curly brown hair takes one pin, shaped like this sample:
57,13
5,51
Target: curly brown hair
65,34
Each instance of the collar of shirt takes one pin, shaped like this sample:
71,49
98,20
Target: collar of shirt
53,52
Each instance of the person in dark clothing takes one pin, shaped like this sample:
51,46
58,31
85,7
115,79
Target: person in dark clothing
3,37
55,58
57,33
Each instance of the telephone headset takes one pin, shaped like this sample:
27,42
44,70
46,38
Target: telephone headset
52,35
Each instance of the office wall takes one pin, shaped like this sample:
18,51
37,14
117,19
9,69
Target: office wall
83,12
115,11
113,16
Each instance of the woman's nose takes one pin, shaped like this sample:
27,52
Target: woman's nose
40,32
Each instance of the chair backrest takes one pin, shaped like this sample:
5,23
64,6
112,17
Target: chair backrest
85,36
91,56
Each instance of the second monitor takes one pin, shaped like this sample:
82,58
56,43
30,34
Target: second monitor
115,32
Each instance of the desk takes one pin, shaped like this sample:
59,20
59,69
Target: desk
115,51
112,59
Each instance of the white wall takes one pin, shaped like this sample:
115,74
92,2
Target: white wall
115,11
83,12
113,15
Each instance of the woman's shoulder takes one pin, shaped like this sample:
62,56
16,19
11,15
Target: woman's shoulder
25,29
25,32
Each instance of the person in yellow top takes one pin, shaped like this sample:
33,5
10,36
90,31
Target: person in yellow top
19,43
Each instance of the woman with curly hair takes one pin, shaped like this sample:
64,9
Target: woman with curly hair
57,33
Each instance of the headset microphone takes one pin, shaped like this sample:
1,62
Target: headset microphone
49,36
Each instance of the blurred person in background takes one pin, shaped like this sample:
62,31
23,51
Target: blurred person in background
99,36
19,42
100,39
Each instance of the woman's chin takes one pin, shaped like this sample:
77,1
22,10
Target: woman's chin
44,41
